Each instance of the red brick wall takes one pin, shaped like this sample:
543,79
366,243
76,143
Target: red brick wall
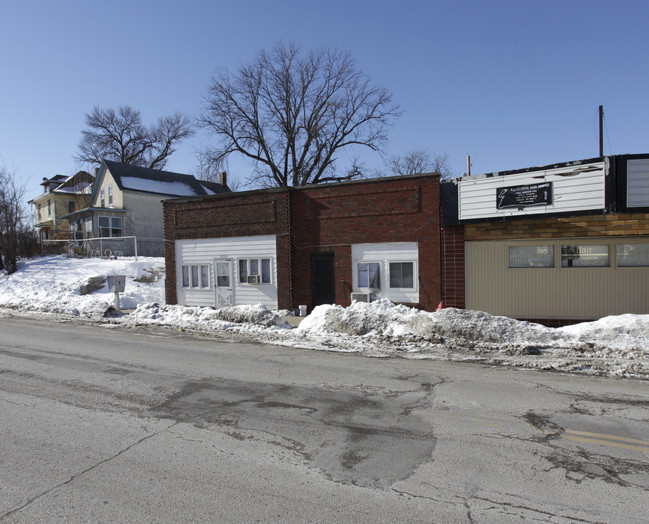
332,218
326,218
453,278
229,215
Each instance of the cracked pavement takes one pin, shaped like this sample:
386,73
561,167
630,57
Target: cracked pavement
110,425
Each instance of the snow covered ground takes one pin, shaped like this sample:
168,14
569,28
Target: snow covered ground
64,288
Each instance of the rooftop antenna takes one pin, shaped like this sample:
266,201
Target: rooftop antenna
601,132
468,165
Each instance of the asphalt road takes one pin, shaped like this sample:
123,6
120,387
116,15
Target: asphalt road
101,424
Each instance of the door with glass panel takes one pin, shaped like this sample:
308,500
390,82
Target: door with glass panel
223,284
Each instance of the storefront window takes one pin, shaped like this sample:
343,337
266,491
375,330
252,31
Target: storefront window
531,256
584,255
633,255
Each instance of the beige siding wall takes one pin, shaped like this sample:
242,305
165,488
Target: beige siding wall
546,293
107,181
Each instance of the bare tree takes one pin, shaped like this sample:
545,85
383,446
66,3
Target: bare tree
121,136
420,161
12,215
292,112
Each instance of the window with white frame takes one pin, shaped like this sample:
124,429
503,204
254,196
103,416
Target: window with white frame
196,276
389,270
254,271
402,275
49,208
102,198
369,275
110,195
109,226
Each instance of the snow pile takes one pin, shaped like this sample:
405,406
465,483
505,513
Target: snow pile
206,319
55,285
617,345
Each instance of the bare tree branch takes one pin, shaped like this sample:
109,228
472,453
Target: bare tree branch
420,161
12,216
291,112
121,136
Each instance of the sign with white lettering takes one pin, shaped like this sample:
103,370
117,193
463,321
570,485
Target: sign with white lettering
524,196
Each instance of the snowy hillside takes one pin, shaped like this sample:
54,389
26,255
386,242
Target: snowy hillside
64,287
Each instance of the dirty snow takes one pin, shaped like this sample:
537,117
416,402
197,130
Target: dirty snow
64,288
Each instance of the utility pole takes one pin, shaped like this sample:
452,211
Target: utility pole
601,131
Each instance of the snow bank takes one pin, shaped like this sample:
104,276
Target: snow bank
54,285
617,345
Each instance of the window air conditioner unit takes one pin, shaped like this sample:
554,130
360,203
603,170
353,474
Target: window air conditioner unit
253,279
362,297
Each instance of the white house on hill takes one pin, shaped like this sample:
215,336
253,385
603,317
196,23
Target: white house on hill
126,202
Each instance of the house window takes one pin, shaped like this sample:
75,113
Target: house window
584,255
49,208
633,255
102,198
72,205
110,226
196,276
402,275
251,267
531,256
39,213
110,195
369,275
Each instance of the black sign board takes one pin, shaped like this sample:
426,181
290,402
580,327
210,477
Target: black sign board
524,196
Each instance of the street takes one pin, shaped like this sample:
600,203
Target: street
104,424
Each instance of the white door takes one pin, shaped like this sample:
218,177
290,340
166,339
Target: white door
224,285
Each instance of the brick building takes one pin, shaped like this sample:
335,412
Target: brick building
555,244
311,245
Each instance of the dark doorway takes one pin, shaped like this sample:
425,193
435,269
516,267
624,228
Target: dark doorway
323,278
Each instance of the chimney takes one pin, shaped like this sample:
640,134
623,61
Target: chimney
96,172
223,178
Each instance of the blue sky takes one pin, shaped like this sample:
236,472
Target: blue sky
512,83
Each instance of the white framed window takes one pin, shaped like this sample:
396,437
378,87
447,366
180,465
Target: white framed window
254,270
195,276
39,213
110,194
109,226
387,270
402,275
49,208
369,275
102,198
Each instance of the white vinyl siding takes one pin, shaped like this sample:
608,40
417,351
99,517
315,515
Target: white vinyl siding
209,250
637,183
382,268
574,188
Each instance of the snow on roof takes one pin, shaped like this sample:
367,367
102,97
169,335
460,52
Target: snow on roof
80,188
157,186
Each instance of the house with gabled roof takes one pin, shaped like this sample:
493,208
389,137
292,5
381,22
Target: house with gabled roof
124,216
61,195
